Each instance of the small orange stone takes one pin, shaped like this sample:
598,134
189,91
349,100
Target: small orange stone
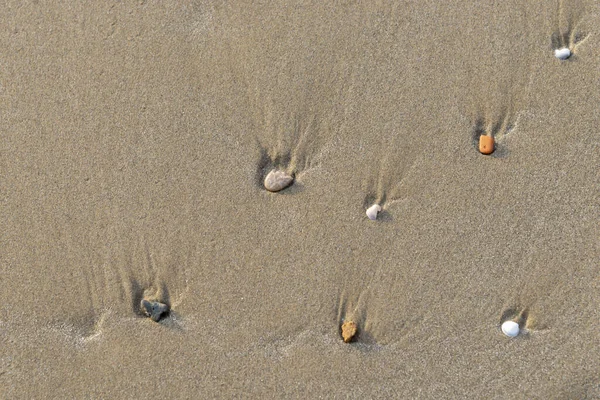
349,329
486,144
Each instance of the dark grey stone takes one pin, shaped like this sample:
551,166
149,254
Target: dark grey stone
154,309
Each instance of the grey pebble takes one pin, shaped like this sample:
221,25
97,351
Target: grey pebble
154,309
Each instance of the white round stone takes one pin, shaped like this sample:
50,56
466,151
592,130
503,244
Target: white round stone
373,211
562,54
510,328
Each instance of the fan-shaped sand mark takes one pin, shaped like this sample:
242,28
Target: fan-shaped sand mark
84,330
568,32
495,128
297,150
354,309
383,184
156,277
103,295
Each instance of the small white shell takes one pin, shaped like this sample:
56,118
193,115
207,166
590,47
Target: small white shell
373,211
277,180
562,54
510,328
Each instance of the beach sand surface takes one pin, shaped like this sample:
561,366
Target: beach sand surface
134,138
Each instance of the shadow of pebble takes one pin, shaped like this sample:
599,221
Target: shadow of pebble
365,338
293,189
500,152
172,321
137,294
384,216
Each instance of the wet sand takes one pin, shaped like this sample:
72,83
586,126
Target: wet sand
135,138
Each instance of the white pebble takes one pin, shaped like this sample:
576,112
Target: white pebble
510,328
373,211
277,180
562,54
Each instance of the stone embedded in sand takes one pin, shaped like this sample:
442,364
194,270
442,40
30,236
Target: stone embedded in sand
154,309
373,211
349,329
486,144
510,328
277,180
562,54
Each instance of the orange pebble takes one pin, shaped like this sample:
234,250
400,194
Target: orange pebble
349,329
486,144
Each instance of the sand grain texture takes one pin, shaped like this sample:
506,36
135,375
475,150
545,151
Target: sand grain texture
135,138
